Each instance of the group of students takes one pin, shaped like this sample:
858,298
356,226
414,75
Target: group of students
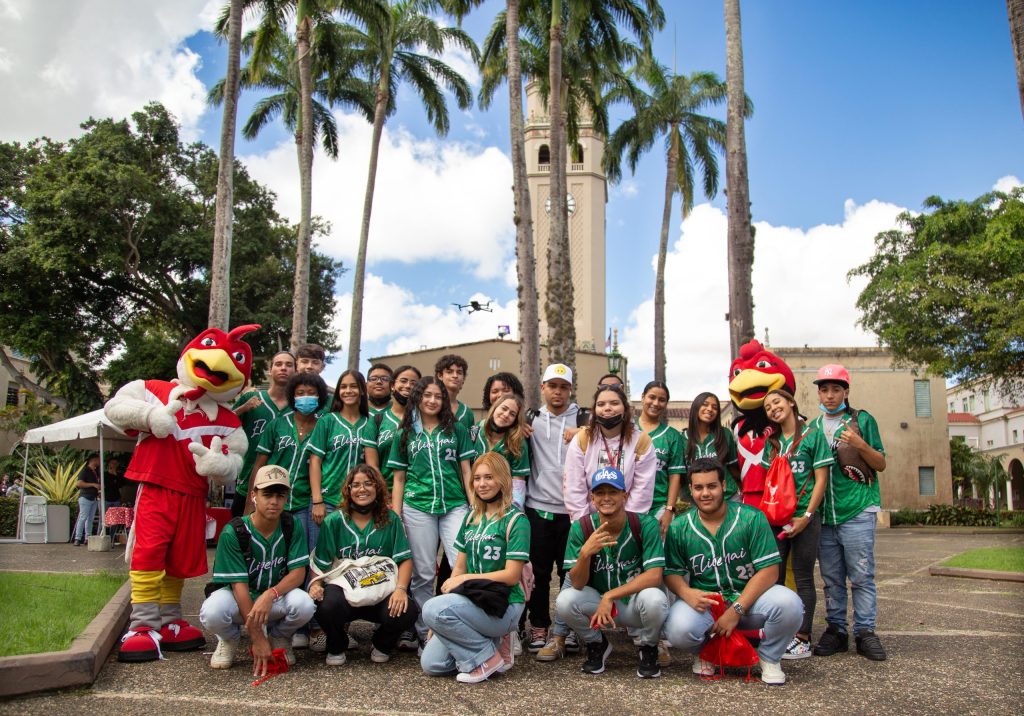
394,466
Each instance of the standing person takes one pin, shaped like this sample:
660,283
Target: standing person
363,526
310,358
849,516
432,481
809,457
111,476
727,548
390,419
88,485
378,386
610,379
262,580
257,409
667,450
499,384
504,431
452,370
705,437
5,484
493,545
615,564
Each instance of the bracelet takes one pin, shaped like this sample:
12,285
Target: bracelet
318,503
277,594
404,589
809,515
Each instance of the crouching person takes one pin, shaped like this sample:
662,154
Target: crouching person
261,561
363,526
726,548
615,560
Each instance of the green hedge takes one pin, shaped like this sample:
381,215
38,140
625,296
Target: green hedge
945,516
8,516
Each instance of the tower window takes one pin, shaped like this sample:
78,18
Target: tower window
544,154
577,154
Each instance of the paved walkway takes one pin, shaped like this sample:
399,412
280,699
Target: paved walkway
955,646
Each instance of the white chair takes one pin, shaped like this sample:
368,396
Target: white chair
33,520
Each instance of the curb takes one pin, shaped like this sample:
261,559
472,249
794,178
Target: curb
80,664
954,530
976,574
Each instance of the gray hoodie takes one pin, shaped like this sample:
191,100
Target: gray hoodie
547,459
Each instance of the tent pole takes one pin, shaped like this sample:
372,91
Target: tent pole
21,497
103,480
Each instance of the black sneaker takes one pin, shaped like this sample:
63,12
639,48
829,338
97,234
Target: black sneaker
832,642
869,645
597,655
648,666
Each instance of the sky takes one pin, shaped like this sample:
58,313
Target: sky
862,110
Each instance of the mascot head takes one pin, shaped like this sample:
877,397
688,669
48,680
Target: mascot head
755,372
216,363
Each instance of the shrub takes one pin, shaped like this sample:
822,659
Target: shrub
956,515
906,516
1017,520
8,516
57,485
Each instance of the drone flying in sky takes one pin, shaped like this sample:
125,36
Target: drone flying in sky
475,306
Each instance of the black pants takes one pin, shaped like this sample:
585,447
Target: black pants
803,550
547,552
238,505
334,613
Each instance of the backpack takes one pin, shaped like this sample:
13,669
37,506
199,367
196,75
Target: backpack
778,501
632,519
582,417
245,542
849,459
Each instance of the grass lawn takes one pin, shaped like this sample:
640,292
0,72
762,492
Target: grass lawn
1003,559
45,612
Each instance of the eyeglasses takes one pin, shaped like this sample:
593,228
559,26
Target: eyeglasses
362,485
378,379
608,386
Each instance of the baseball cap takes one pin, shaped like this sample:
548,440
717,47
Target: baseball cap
608,476
833,373
271,476
559,371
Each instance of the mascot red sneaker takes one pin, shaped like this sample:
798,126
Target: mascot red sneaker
755,372
188,436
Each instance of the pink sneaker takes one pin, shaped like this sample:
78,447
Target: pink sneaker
507,651
481,672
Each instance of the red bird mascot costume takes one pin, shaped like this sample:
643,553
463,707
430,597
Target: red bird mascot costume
187,436
755,372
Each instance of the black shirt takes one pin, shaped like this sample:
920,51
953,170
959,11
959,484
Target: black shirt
91,476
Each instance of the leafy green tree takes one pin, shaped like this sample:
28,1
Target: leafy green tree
945,289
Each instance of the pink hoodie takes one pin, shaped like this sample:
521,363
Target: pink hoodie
638,470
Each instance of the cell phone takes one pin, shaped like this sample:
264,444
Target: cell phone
786,529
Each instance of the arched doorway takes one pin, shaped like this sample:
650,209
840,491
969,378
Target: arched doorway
1016,472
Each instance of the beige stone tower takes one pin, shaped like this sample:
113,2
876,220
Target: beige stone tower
588,194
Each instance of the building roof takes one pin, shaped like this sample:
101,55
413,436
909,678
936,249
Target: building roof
962,418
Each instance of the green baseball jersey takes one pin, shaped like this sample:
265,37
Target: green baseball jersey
254,422
668,448
341,538
433,474
706,448
341,446
846,498
281,443
387,431
614,566
489,542
811,453
726,561
520,465
270,560
374,410
464,415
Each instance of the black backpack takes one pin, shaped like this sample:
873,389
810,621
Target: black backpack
632,519
582,417
245,542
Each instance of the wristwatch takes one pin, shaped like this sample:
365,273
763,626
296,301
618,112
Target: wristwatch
809,515
670,508
738,608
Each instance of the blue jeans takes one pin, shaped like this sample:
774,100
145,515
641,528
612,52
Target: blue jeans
312,528
847,552
644,612
686,628
424,530
86,514
465,636
221,617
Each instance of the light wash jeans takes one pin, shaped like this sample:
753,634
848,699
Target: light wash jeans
312,528
423,531
781,608
643,614
465,636
847,552
86,514
221,617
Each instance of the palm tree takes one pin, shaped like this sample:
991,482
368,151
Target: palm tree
671,109
741,238
396,41
1015,12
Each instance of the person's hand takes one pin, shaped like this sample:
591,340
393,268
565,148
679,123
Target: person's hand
603,616
319,512
597,541
451,583
527,430
262,654
797,525
699,601
852,439
316,591
665,520
726,623
569,433
398,603
259,615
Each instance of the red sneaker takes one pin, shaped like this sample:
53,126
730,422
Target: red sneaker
179,635
138,645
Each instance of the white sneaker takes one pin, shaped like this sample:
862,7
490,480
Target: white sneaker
798,649
771,673
572,643
379,657
300,640
336,659
703,668
224,655
517,644
318,641
283,642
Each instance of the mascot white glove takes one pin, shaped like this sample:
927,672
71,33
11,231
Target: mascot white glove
162,420
214,461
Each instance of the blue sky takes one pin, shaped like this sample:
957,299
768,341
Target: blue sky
862,110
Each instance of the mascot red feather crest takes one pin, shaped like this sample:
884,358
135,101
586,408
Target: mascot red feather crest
754,373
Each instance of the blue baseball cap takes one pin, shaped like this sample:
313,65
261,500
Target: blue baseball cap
608,476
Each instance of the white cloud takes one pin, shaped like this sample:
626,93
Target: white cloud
96,57
801,294
627,188
1006,183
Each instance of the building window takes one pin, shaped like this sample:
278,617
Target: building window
923,398
926,481
952,406
965,406
1014,437
577,154
972,403
544,154
12,395
989,443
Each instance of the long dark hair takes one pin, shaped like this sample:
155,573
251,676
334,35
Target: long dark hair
364,407
445,419
716,429
511,382
382,512
658,384
773,439
309,379
627,414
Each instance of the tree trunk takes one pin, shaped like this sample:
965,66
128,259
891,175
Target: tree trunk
220,269
300,297
741,240
659,279
356,322
1015,11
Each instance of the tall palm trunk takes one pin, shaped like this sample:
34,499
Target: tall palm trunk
529,338
741,239
300,297
220,268
659,279
356,322
1015,11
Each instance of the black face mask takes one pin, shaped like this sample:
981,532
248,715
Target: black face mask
379,402
400,399
364,509
494,428
497,496
609,422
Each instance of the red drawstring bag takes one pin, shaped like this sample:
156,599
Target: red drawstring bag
779,499
278,665
735,651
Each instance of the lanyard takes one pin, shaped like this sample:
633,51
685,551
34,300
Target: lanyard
617,459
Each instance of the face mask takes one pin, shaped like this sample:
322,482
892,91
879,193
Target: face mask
497,496
378,402
307,404
495,428
840,408
364,509
400,399
609,422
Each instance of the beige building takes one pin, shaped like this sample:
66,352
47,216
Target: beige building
910,407
11,394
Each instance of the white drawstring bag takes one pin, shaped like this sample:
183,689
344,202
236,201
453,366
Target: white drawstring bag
366,581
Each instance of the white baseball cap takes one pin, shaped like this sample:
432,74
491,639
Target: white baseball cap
559,371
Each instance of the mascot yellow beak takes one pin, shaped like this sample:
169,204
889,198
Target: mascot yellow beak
212,369
748,389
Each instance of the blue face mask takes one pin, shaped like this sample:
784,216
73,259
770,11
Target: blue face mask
840,408
307,404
